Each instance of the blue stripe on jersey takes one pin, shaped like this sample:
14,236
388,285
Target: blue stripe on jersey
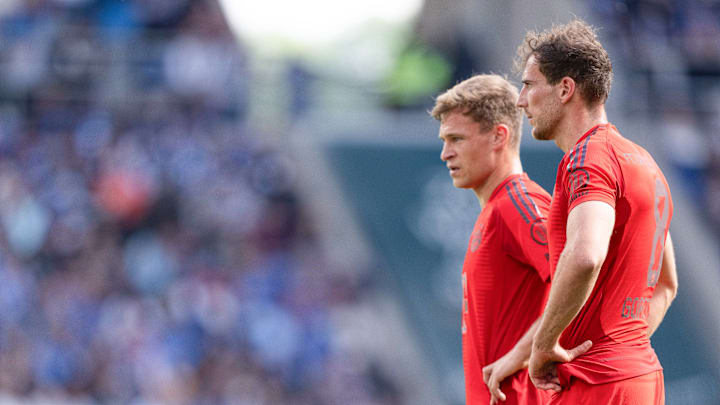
573,158
576,158
576,151
507,187
522,200
582,162
527,195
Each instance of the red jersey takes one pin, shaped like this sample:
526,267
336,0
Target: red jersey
505,280
604,166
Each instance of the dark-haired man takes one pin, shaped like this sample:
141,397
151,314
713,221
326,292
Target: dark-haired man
610,250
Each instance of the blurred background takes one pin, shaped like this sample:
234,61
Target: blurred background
242,201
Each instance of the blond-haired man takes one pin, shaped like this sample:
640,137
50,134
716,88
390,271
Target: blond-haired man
505,276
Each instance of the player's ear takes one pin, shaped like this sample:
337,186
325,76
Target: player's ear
501,136
566,89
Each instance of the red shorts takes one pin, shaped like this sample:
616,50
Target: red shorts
648,389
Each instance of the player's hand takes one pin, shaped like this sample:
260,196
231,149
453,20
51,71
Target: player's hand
543,364
495,373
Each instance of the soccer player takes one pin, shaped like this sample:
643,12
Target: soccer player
610,250
505,277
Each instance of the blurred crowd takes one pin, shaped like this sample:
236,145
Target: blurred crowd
153,245
670,52
153,249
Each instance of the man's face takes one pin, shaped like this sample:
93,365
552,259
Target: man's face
537,98
467,150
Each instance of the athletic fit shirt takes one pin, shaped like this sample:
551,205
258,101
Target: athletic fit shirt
505,280
604,166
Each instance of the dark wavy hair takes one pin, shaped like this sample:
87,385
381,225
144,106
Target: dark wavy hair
571,50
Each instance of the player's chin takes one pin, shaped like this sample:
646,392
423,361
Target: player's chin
539,135
459,183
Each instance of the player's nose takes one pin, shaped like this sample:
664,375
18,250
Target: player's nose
522,100
446,152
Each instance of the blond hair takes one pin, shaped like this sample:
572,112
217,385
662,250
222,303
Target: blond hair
489,99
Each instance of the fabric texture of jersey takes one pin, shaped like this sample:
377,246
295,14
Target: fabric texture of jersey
604,166
505,280
648,389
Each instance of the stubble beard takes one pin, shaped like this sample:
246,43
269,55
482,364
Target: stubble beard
545,128
542,133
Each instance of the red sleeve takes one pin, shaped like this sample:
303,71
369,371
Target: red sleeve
524,217
591,174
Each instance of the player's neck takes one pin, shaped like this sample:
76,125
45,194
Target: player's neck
580,120
507,168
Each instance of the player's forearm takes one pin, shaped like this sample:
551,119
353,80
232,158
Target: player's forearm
574,280
589,228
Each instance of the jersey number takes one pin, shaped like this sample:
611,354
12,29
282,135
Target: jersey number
662,216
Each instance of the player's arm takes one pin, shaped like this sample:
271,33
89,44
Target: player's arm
516,359
665,290
589,228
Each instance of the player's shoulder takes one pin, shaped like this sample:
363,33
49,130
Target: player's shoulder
597,138
625,147
534,189
625,151
521,199
608,138
597,146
